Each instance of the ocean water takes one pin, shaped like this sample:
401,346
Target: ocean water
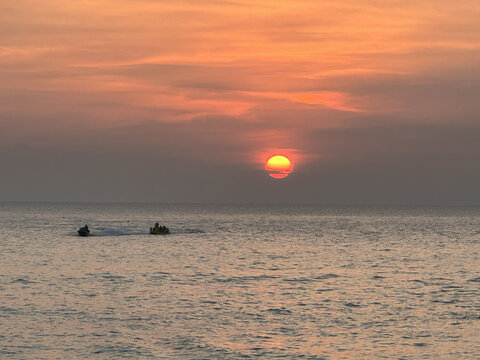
239,282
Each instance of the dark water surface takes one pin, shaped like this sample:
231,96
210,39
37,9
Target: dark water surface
239,282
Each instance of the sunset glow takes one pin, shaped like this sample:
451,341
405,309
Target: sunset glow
355,92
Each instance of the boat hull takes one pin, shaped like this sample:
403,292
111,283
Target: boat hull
82,233
159,232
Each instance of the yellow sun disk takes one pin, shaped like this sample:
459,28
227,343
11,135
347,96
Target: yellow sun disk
278,163
278,166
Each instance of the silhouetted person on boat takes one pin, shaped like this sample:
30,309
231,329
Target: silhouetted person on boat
159,230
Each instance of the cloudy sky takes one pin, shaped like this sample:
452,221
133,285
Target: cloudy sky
374,101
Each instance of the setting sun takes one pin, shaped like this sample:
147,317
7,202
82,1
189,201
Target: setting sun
278,166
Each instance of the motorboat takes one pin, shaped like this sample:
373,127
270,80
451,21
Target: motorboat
159,230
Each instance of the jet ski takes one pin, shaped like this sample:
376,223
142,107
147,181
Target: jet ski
83,231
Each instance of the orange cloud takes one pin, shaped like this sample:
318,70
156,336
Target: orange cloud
282,66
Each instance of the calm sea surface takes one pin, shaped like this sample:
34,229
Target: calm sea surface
239,282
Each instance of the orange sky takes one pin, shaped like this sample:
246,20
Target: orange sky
247,77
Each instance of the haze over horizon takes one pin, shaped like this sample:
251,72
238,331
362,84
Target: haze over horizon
375,102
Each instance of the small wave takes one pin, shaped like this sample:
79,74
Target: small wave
419,281
326,290
440,301
308,279
113,278
327,276
122,350
5,351
9,310
298,280
23,281
420,344
350,304
209,302
245,278
463,316
279,311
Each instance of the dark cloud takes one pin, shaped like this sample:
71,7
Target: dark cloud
395,162
378,163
